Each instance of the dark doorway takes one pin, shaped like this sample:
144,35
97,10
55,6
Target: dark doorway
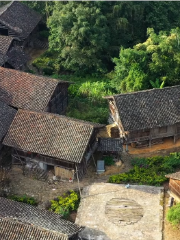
4,32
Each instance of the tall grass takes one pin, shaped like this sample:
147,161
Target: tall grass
86,97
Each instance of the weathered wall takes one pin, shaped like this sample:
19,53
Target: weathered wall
64,173
150,134
59,100
174,186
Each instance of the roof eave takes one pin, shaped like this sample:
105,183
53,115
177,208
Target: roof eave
108,97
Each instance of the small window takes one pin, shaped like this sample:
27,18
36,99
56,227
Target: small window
163,130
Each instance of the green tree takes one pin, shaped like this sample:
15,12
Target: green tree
157,58
45,8
86,35
80,36
162,16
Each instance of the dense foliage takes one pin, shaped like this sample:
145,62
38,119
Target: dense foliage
89,38
87,35
87,94
150,171
157,58
108,160
24,199
45,8
79,33
173,214
64,205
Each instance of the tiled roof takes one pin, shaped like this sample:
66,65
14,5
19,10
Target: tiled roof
19,18
110,145
6,116
17,58
174,175
149,108
13,230
5,42
25,90
28,214
50,134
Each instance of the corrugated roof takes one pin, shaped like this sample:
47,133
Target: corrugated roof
28,214
19,18
50,134
149,108
6,116
25,90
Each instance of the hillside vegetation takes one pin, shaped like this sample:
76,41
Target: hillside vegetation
107,48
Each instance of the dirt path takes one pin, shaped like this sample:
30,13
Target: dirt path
43,191
169,232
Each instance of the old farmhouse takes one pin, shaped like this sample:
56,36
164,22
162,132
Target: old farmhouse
22,221
11,54
6,116
33,92
18,20
52,140
147,117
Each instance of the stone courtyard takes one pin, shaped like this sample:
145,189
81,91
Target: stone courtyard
133,213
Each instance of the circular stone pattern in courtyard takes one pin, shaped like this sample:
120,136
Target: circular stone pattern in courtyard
123,211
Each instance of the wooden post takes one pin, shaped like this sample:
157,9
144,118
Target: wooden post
174,139
126,147
150,142
78,180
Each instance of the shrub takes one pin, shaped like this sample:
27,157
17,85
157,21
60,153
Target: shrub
150,171
65,204
171,162
173,214
97,111
24,199
139,175
108,161
140,162
46,63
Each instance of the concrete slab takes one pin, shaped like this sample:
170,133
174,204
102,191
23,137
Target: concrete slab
110,208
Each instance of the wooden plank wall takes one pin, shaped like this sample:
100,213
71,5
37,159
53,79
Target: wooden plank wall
174,186
64,173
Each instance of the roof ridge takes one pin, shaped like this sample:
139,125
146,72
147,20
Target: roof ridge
26,21
145,90
61,117
35,75
5,7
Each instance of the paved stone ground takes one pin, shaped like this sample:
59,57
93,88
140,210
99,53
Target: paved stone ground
91,212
